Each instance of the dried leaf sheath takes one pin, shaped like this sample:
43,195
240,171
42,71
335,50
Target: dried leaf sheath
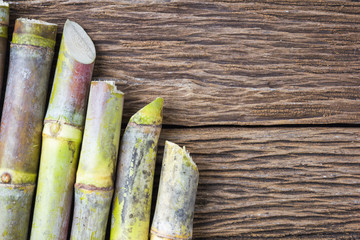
95,176
4,23
21,125
174,212
62,134
132,199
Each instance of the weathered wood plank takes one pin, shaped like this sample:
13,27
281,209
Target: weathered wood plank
259,183
224,62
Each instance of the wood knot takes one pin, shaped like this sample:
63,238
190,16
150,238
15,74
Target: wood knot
5,178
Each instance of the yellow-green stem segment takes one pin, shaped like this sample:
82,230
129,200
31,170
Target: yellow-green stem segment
35,33
62,135
95,176
174,212
21,125
4,19
60,151
132,199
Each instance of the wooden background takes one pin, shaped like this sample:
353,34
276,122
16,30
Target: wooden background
264,94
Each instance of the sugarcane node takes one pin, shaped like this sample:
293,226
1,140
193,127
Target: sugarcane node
92,187
6,178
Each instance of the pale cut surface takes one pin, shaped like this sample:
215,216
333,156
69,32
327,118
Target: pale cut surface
4,4
79,44
111,82
33,20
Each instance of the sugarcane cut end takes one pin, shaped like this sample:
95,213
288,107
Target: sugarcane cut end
79,44
110,83
34,32
151,114
5,4
186,158
154,236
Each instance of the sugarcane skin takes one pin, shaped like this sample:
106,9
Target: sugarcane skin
174,210
131,213
70,89
91,210
94,182
4,15
29,70
101,136
150,114
132,201
15,202
34,40
62,144
35,33
3,31
4,21
22,164
59,155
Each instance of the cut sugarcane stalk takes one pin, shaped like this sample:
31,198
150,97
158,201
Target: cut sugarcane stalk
94,186
21,123
174,211
132,199
4,23
62,134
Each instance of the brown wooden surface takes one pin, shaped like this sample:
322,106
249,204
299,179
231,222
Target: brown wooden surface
224,62
222,65
259,183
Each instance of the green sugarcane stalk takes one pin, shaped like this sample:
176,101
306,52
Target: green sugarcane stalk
4,23
94,186
174,211
62,134
21,123
132,199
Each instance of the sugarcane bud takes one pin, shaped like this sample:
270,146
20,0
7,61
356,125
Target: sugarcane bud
6,178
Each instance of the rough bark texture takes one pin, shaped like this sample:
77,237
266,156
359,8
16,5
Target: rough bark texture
230,62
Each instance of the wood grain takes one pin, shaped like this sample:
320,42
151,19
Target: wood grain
224,62
260,183
237,63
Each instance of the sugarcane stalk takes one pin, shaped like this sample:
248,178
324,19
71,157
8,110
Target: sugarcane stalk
62,134
21,123
94,186
4,23
174,211
132,199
